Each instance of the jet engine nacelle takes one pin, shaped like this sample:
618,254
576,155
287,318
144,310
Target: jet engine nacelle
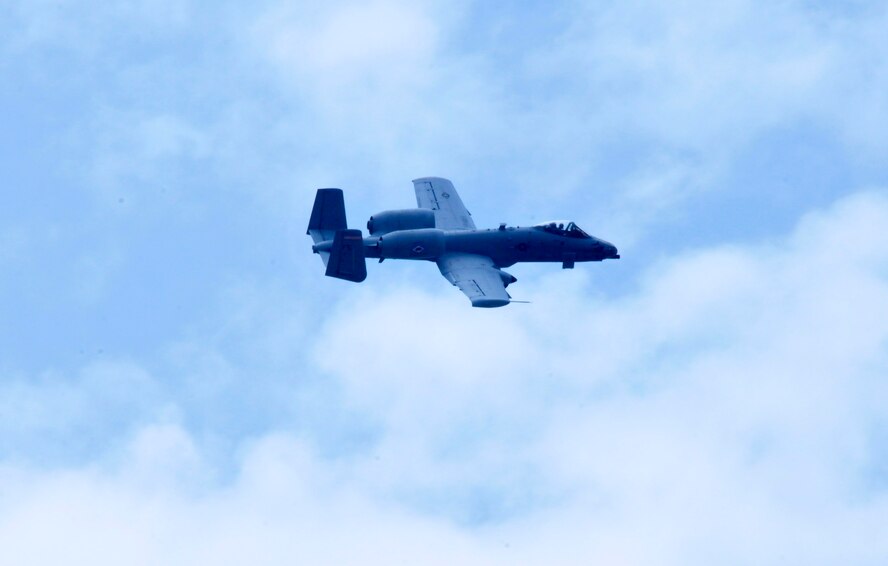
412,244
395,220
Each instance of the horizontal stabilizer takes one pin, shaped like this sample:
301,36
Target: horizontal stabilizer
327,215
347,259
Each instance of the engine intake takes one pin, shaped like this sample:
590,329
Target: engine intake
396,220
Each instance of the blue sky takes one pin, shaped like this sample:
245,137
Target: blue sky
179,383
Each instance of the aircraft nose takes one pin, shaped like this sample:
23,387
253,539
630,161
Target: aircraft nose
606,250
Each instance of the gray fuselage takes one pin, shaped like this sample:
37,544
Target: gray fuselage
505,246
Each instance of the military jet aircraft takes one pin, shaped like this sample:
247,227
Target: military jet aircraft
442,230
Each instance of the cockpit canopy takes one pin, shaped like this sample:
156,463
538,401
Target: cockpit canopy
562,228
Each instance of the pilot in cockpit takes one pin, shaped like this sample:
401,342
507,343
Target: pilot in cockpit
558,228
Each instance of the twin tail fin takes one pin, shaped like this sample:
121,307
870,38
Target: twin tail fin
341,249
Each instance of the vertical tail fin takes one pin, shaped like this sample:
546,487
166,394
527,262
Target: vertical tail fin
347,260
327,215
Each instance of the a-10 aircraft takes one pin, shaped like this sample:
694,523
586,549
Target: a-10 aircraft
442,230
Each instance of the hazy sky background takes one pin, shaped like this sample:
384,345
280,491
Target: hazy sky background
179,383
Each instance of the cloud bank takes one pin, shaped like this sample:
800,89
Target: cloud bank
179,383
727,407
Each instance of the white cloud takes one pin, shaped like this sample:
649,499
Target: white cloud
692,85
733,393
284,508
359,64
390,87
706,76
136,153
163,455
351,39
56,407
729,406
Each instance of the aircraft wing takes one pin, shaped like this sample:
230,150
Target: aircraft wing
477,277
439,195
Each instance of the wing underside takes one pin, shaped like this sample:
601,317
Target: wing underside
439,195
477,277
